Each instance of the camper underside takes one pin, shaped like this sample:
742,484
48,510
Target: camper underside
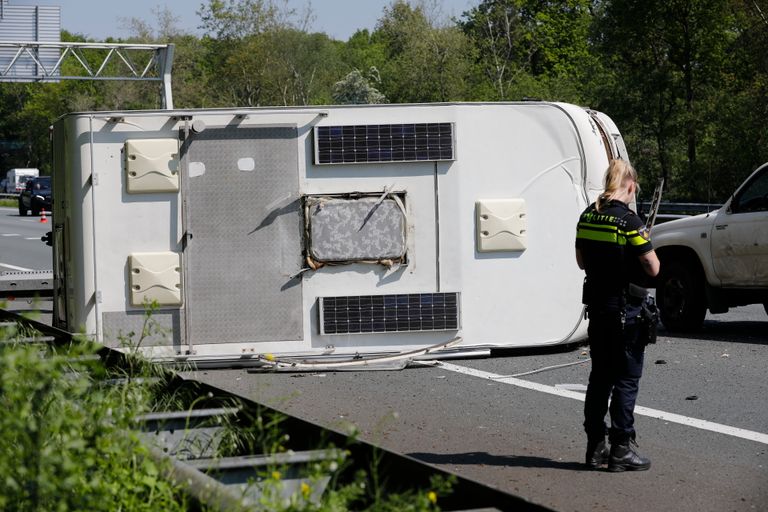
396,231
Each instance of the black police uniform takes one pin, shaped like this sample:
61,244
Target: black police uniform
610,242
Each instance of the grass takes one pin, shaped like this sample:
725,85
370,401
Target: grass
10,203
70,442
67,438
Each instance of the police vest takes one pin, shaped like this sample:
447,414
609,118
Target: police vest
610,242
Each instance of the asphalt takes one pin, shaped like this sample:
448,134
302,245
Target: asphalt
531,443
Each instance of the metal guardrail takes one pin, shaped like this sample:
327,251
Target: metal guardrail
674,211
190,440
8,196
679,208
26,283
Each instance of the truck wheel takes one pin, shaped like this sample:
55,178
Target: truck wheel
22,210
681,298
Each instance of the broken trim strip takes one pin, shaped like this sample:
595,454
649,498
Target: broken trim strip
272,364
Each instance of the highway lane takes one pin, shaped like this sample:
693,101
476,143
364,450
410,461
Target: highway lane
20,244
466,417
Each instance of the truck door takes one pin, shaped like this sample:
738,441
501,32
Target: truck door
740,235
243,238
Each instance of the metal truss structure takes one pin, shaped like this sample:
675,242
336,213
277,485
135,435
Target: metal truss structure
89,61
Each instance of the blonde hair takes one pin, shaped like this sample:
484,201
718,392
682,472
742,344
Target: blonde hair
619,171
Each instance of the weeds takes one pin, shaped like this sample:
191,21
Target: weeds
69,440
66,441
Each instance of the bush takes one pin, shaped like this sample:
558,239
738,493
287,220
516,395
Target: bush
69,440
67,443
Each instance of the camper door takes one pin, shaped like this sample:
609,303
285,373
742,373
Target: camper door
242,234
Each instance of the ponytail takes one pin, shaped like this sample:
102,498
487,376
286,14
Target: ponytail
619,171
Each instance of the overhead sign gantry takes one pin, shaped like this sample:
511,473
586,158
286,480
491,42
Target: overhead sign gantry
31,50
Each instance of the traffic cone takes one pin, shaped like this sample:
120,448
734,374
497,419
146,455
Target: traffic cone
42,216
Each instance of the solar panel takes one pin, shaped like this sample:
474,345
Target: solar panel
389,313
353,144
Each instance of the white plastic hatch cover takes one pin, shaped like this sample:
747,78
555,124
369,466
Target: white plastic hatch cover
152,165
501,225
155,277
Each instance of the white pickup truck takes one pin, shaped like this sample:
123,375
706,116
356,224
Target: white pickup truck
715,260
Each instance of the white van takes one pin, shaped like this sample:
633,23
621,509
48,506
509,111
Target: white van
16,179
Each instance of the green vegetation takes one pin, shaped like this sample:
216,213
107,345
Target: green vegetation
66,441
70,441
685,80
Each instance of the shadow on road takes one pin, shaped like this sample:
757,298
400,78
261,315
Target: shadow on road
487,459
751,332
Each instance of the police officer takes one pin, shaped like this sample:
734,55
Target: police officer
614,248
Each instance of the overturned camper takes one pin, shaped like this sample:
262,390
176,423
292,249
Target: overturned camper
613,247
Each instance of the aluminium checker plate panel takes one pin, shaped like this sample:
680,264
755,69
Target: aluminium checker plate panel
242,249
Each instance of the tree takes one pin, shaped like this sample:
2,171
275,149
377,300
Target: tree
258,52
533,47
735,141
237,19
667,78
361,51
166,26
357,89
424,63
495,29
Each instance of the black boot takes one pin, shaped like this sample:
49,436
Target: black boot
625,458
597,453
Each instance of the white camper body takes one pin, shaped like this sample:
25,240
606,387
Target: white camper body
325,231
17,178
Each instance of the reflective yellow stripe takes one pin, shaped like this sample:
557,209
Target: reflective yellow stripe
634,238
602,227
599,236
606,232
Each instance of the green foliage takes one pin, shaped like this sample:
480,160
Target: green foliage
357,89
237,19
65,435
423,63
70,441
685,80
667,84
361,51
529,48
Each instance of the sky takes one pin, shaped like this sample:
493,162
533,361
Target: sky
99,19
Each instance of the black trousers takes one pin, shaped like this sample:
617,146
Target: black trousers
617,365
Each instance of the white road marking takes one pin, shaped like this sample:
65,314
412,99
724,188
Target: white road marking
758,437
32,238
14,267
11,234
571,387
